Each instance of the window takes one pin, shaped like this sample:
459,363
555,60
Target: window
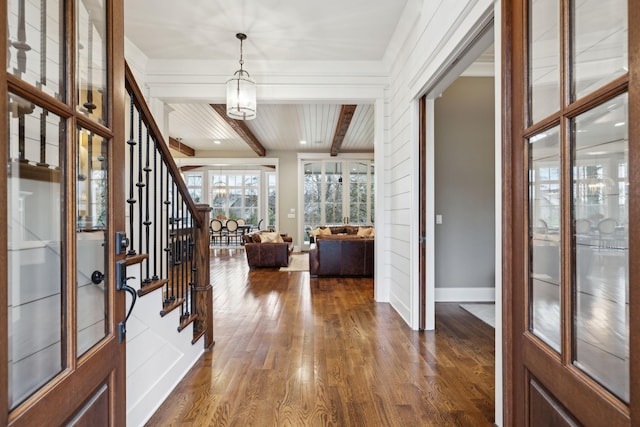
194,185
338,192
272,190
235,194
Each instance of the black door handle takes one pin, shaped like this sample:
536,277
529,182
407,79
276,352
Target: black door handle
121,285
97,277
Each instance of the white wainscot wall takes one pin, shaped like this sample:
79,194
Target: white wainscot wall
158,356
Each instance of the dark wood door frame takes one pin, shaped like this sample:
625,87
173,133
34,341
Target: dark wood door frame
422,215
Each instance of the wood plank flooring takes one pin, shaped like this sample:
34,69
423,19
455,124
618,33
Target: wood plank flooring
298,351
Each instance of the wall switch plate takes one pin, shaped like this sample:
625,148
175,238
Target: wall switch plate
291,215
438,219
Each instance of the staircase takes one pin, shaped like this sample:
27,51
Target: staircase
168,255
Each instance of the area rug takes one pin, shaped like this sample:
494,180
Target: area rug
298,262
484,312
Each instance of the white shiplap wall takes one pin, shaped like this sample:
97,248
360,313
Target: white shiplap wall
428,36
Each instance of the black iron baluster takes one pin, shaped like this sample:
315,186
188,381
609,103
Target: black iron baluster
174,237
140,184
161,226
183,260
146,222
193,269
131,201
155,210
168,248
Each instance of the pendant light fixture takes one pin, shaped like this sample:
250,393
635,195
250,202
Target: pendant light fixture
241,91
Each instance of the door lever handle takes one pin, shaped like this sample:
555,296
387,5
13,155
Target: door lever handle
121,285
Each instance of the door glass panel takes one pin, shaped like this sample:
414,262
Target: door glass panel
312,196
544,232
372,204
218,196
35,53
91,258
235,201
36,297
600,51
601,195
272,190
92,58
250,202
333,193
544,59
358,192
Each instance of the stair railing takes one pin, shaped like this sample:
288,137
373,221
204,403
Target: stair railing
166,229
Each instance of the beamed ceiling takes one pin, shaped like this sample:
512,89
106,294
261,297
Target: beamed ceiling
278,30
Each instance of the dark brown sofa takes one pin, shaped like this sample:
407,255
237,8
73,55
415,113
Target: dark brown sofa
261,254
336,230
342,256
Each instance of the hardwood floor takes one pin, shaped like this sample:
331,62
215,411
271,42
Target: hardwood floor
298,351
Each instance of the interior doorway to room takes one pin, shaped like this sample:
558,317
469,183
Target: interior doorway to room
460,226
464,192
458,183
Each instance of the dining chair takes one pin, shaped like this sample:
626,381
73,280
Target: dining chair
240,221
232,230
259,226
215,229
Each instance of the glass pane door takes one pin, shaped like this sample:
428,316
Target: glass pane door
333,203
91,236
601,233
337,192
312,196
36,212
62,65
360,185
545,222
574,135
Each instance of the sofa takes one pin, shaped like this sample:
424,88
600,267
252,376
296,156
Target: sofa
340,230
267,252
342,256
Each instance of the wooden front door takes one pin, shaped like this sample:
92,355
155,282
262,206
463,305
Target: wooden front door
61,202
572,200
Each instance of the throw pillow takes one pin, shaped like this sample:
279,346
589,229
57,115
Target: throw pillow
270,237
325,232
256,238
371,234
364,231
314,233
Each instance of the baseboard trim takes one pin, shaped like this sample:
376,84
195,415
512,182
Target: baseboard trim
465,294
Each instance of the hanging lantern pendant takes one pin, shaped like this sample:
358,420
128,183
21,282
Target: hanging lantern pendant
241,91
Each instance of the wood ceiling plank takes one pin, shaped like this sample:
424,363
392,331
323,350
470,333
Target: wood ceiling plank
241,129
346,114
